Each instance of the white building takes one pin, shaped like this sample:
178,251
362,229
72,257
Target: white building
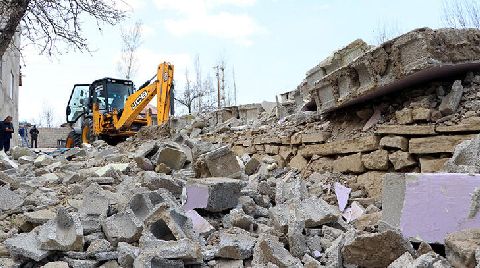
10,80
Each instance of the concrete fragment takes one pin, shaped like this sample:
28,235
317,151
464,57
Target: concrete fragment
429,217
127,254
144,163
431,259
18,152
279,216
222,162
228,264
316,137
122,227
184,249
56,264
145,260
401,160
26,245
437,144
375,250
316,212
452,100
200,225
269,249
376,160
64,233
349,164
460,247
100,245
403,261
252,166
43,160
154,181
9,200
104,171
354,212
235,244
26,160
367,221
40,216
172,157
465,157
212,194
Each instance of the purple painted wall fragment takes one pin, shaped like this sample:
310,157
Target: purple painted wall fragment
197,197
342,194
433,205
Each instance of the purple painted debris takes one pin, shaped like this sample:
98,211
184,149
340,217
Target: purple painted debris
353,212
342,194
200,225
197,197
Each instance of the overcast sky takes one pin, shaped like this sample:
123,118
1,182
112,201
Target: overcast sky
270,43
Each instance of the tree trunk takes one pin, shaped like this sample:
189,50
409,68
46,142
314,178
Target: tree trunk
14,15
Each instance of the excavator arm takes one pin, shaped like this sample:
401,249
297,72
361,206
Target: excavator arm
136,102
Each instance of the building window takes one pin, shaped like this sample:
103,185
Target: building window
12,85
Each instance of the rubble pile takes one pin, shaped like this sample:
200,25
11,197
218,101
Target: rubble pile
291,184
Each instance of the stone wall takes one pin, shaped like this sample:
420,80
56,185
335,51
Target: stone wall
49,137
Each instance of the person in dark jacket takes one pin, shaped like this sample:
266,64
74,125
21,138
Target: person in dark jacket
34,135
6,131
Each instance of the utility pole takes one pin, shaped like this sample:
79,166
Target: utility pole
234,87
217,73
220,73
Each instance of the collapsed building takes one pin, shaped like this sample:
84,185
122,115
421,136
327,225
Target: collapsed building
372,161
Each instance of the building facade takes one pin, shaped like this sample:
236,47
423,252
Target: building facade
10,80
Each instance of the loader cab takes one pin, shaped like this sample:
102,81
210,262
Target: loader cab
110,93
78,102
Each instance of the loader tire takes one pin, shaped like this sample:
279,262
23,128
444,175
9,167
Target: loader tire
88,136
74,139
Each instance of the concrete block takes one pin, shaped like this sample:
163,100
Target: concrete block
421,114
460,247
127,254
448,207
26,245
40,216
184,249
396,142
298,162
152,261
349,164
213,194
144,163
122,227
235,244
64,233
316,212
363,144
154,181
465,157
252,166
452,100
401,160
437,144
222,162
376,160
316,137
18,152
375,249
56,264
172,157
43,160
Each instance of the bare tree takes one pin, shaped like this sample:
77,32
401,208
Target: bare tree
461,13
48,23
386,31
47,116
190,94
132,40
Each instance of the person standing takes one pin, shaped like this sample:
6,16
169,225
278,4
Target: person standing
6,131
34,135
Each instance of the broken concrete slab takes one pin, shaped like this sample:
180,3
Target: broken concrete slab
64,233
40,216
465,157
396,142
26,245
429,217
375,250
200,225
104,171
406,130
212,194
154,181
127,254
369,75
460,247
184,249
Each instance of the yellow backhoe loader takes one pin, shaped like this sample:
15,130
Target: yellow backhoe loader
109,109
